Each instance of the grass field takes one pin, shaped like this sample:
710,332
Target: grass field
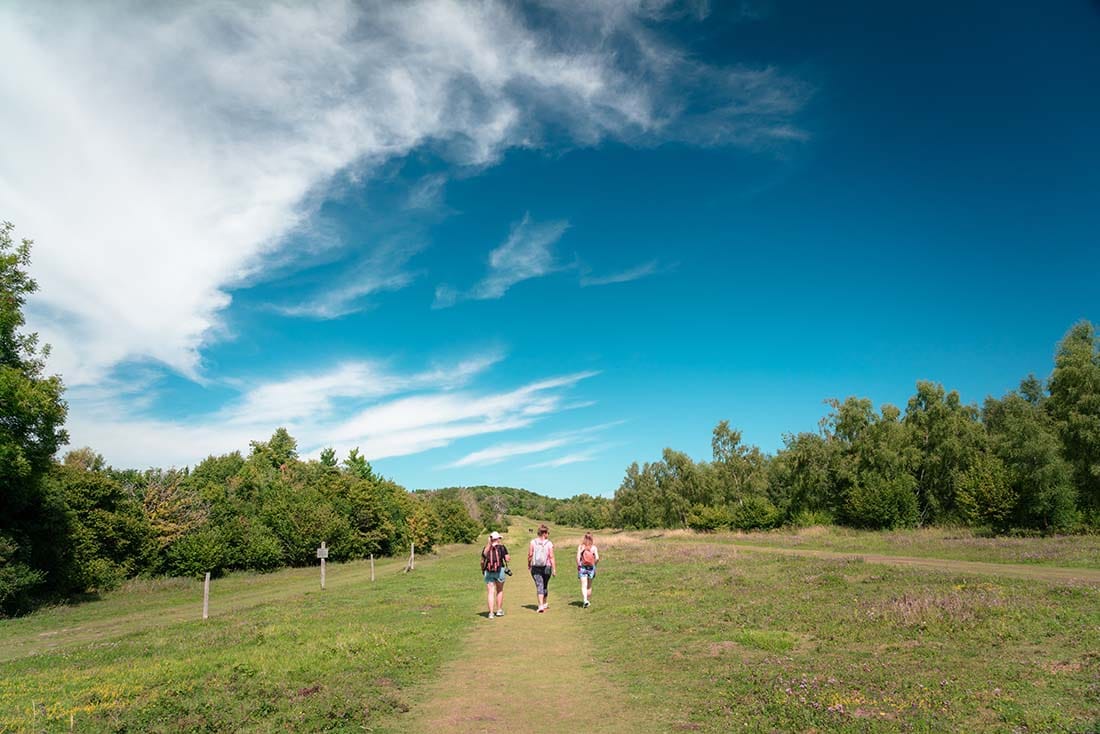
693,631
964,544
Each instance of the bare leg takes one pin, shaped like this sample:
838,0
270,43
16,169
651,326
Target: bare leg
500,595
491,591
584,588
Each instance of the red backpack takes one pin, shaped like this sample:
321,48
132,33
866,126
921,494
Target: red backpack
492,559
588,557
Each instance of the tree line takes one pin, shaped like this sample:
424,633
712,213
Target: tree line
1028,461
86,527
77,526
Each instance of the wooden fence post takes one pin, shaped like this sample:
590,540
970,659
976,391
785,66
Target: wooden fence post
206,596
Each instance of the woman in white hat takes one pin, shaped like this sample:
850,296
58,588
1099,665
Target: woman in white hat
494,561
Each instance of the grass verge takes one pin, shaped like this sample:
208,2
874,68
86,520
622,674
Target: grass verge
276,653
710,639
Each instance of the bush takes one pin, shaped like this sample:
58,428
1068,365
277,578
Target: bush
984,494
257,548
198,552
879,503
755,513
18,581
707,519
811,518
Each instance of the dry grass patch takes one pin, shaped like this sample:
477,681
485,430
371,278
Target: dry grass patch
958,607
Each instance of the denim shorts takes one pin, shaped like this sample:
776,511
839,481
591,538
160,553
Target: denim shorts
494,576
586,572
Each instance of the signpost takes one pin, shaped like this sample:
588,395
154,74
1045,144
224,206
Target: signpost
322,553
206,596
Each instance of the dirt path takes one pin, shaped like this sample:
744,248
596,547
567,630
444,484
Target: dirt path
1015,570
525,672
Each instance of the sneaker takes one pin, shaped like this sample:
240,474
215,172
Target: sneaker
586,605
542,609
500,612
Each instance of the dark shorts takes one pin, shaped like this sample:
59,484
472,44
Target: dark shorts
541,575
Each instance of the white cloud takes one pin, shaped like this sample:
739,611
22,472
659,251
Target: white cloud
624,276
382,269
299,398
359,404
527,253
500,452
164,152
574,458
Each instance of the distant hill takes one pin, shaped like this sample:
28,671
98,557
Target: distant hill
493,505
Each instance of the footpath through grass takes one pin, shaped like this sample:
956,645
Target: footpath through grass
525,671
687,633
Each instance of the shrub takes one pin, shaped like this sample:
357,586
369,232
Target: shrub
198,552
18,581
880,503
811,518
257,548
755,513
984,494
707,519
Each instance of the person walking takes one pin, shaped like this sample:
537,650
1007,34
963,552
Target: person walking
540,562
494,562
588,555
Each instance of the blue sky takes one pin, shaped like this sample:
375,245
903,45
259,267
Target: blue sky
528,244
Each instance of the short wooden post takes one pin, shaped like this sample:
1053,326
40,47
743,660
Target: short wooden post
322,553
206,596
411,565
372,567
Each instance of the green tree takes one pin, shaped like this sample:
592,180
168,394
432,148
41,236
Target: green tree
108,536
32,415
358,466
634,503
1075,405
1024,437
740,471
803,475
280,450
949,437
985,495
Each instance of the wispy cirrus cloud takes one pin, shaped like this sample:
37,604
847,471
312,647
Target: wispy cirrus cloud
188,144
577,457
356,405
527,253
300,398
623,276
383,268
500,452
